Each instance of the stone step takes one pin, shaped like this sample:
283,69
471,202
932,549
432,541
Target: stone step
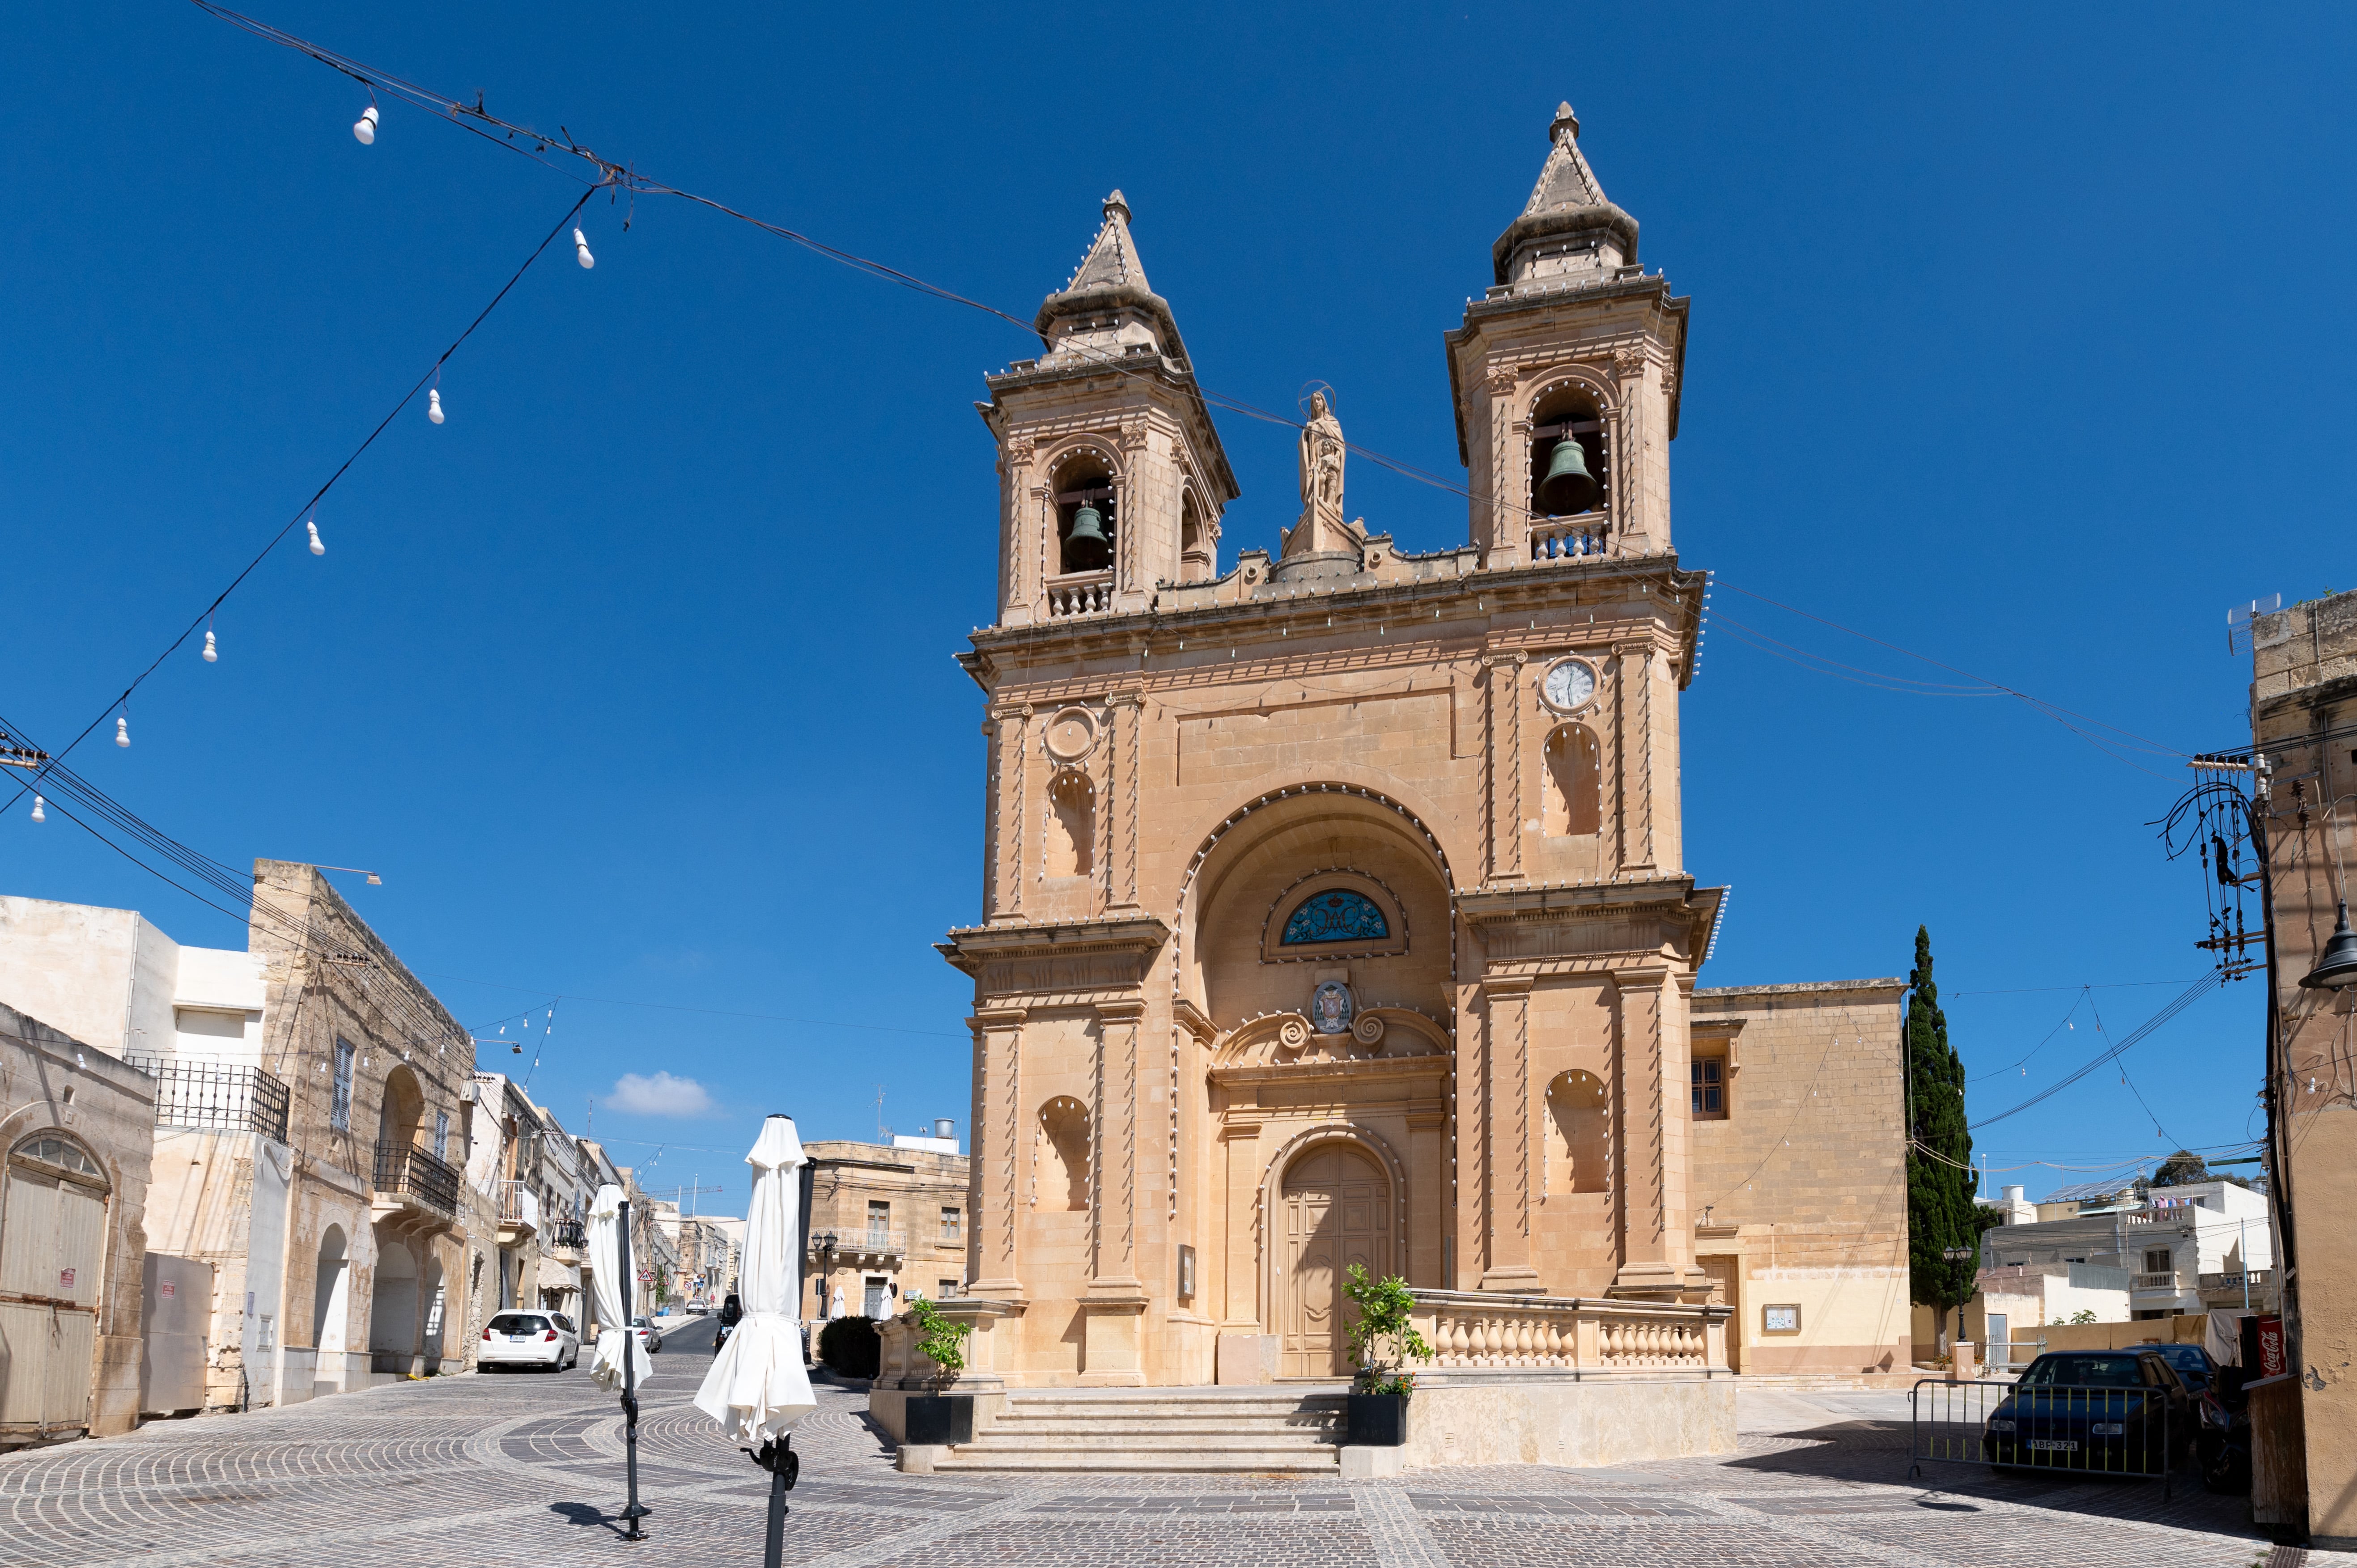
999,1437
1030,1426
978,1457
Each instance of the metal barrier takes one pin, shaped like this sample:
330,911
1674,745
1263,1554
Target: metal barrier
2073,1429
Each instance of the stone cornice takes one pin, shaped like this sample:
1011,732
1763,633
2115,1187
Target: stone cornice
1139,934
1572,900
1360,1069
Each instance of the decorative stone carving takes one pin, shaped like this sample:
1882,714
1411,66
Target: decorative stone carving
1629,363
1070,735
1330,1007
1321,526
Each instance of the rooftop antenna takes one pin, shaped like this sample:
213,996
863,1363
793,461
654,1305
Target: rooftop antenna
883,1133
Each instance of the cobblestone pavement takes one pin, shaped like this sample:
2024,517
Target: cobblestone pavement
526,1468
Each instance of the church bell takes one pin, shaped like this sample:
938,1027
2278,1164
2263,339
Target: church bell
1569,486
1086,549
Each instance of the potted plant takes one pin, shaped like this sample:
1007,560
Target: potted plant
939,1418
1382,1341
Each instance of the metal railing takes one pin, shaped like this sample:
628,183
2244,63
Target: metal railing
566,1233
414,1172
216,1096
2077,1429
519,1204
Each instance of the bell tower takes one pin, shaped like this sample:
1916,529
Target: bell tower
1112,479
1566,378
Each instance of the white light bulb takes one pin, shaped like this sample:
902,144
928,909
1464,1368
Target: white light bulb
122,731
434,405
581,249
364,128
317,548
39,814
212,654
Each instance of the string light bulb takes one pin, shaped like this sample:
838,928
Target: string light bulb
317,548
364,128
122,729
434,404
212,654
39,815
581,249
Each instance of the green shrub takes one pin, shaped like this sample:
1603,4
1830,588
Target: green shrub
849,1348
940,1339
1382,1340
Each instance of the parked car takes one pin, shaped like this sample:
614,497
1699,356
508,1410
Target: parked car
544,1339
2192,1364
647,1335
2124,1412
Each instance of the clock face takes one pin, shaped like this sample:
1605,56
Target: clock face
1570,685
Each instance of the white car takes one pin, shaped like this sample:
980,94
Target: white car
544,1339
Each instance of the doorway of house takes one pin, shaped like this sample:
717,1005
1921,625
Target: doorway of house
1334,1211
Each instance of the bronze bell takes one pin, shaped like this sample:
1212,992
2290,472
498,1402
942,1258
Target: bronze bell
1569,486
1086,549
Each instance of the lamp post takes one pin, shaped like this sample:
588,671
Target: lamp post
824,1245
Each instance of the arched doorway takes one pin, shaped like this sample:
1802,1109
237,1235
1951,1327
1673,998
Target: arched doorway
331,1306
53,1199
1333,1209
393,1308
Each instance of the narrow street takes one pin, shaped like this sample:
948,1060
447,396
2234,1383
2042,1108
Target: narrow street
527,1469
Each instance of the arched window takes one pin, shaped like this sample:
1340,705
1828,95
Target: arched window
1579,1134
1087,515
1570,482
1572,792
1196,557
1071,825
63,1154
1061,1165
1336,915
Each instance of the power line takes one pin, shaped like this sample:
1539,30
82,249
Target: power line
2184,999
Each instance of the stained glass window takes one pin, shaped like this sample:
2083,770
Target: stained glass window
1338,914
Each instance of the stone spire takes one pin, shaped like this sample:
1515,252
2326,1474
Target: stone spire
1108,307
1569,231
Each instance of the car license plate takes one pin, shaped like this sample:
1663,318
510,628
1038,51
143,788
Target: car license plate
2053,1446
521,1339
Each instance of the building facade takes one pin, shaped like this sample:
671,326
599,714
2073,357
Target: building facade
1335,909
77,1127
886,1223
1800,1172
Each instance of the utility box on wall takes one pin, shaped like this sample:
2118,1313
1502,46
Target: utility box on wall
175,1311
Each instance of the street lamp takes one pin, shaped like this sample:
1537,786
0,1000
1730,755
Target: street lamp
2336,966
823,1244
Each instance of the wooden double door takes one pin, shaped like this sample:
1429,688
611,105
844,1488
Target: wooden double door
1334,1209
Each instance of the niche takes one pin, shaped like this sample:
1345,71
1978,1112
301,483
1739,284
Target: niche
1572,791
1195,556
1575,481
1071,825
1060,1167
1579,1133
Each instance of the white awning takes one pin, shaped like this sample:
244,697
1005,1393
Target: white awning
554,1275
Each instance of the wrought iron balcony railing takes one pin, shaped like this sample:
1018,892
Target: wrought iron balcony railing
217,1096
414,1172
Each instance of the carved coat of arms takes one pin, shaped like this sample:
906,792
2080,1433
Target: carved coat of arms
1331,1008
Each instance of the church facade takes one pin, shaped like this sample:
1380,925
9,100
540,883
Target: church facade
1334,904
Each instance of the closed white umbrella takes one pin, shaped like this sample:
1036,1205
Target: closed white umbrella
606,1278
757,1389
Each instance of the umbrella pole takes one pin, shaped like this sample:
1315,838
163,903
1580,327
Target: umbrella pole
779,1459
636,1511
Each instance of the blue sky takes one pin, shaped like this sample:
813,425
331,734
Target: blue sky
2016,340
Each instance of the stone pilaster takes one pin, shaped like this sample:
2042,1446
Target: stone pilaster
1656,1235
993,1179
1506,1194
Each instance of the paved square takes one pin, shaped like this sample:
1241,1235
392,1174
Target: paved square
525,1468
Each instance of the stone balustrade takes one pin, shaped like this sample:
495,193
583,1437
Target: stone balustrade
1079,594
1479,1328
1563,538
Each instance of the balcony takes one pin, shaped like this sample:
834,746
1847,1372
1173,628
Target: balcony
216,1097
2168,1280
414,1191
519,1212
864,1245
565,1236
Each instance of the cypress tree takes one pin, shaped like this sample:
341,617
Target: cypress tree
1941,1213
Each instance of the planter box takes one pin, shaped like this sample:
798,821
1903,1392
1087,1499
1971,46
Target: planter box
1377,1420
940,1419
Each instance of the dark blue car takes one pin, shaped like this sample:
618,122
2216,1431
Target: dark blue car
2121,1413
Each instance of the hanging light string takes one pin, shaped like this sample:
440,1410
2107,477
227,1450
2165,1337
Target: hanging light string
305,510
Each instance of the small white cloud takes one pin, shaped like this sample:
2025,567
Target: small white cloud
660,1095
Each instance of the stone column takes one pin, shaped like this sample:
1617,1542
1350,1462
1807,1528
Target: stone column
1506,1130
1124,711
993,1179
1504,761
